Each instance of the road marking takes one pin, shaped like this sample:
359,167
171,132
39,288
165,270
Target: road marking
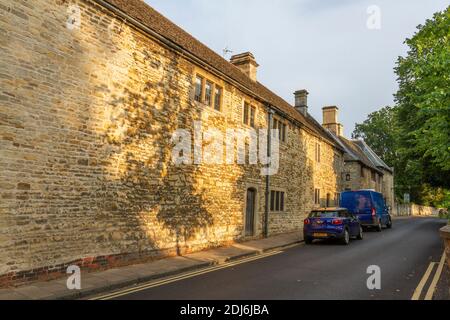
422,282
182,277
437,275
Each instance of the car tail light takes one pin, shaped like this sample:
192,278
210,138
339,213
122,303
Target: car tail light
373,211
336,222
307,221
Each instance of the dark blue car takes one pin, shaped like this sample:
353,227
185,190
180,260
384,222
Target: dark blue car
368,206
332,223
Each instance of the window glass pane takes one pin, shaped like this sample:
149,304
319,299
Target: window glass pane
277,201
252,116
282,202
208,93
275,127
198,88
246,106
283,133
217,98
272,200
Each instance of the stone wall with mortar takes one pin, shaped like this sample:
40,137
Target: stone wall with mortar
357,181
87,112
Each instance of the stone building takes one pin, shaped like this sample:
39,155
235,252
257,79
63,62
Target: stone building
93,93
363,169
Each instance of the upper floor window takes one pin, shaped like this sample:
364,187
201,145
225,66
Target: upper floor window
362,172
281,127
347,177
249,114
374,176
316,196
198,88
208,93
277,200
217,98
317,152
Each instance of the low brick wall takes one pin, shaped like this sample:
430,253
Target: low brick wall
413,209
445,234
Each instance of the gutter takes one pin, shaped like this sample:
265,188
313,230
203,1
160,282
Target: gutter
269,151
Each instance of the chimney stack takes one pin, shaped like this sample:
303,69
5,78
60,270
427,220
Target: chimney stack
330,120
246,63
301,101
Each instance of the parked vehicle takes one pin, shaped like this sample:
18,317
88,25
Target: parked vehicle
332,223
369,207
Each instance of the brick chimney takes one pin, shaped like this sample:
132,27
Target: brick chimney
246,63
301,101
330,120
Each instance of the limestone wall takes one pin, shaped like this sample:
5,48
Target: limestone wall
413,209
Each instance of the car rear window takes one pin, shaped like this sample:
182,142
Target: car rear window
327,214
357,202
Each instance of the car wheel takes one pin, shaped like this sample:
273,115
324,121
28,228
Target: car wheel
308,240
346,238
389,225
360,235
379,227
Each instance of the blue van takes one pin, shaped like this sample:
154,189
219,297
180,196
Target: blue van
368,206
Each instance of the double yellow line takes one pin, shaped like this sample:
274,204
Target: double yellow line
424,280
165,281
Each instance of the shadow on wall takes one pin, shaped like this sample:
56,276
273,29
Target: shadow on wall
165,198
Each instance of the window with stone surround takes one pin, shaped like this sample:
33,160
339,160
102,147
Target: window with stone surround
217,98
277,199
316,196
198,88
362,172
317,152
282,129
208,92
348,177
374,176
249,115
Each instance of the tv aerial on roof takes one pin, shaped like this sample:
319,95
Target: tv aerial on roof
226,52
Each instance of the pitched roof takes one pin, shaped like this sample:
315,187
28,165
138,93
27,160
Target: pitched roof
353,152
150,18
374,158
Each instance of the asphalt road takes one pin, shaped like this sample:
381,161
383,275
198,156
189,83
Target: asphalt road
324,270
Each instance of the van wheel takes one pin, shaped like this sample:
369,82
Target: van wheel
308,241
360,235
389,225
379,227
346,238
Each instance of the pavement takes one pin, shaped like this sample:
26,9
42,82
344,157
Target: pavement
114,279
408,257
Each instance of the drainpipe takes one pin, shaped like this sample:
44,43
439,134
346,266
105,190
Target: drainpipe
269,150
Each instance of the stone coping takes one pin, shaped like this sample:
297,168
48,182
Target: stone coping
445,232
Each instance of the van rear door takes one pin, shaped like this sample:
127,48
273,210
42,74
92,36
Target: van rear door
360,203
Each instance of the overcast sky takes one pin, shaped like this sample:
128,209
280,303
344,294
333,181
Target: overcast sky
323,46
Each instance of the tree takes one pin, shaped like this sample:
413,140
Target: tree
423,104
414,136
379,132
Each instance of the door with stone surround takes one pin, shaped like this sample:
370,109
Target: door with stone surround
250,213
